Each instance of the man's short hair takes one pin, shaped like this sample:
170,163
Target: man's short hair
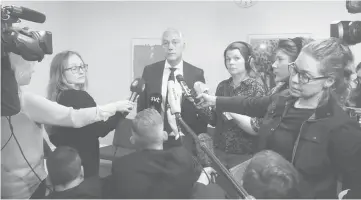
64,165
146,124
270,176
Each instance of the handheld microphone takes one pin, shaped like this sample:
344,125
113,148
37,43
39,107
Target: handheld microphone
27,14
155,101
137,87
200,87
188,93
204,139
174,98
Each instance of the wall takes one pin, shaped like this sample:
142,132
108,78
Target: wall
102,33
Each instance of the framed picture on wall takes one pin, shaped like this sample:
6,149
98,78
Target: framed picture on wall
264,46
145,51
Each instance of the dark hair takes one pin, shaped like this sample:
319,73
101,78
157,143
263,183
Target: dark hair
247,53
292,46
270,176
64,165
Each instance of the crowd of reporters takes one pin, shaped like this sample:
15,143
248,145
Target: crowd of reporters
298,139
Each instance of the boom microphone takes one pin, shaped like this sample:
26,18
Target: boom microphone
188,93
204,139
136,88
26,14
155,101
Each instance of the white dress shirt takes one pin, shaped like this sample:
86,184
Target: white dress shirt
166,73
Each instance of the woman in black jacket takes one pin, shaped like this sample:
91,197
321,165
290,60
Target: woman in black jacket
67,84
305,124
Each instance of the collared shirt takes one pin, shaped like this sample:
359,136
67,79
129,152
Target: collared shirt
166,73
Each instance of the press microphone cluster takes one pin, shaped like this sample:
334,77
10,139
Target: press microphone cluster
174,106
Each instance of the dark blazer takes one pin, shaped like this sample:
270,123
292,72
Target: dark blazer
153,76
90,188
152,174
328,144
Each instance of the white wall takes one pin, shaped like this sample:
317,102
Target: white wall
102,33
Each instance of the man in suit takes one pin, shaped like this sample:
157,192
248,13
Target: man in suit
156,77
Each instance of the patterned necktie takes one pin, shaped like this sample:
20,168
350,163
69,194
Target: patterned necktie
167,127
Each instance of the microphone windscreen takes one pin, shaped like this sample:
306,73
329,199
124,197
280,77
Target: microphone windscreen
137,86
155,101
205,139
200,87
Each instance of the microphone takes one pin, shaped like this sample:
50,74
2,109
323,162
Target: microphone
200,87
137,87
204,139
27,14
174,98
188,93
155,101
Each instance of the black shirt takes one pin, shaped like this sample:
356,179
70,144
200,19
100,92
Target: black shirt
283,139
84,140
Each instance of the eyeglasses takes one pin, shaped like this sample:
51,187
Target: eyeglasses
76,69
302,77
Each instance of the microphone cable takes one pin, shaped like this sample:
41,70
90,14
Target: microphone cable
22,153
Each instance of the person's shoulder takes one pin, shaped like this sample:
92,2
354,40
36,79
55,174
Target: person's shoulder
156,64
197,69
127,159
74,94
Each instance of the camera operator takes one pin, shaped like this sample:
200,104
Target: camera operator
22,157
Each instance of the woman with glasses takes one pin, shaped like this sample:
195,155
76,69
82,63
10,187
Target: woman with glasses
67,86
306,124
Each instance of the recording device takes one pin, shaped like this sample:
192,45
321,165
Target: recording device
353,6
174,106
137,87
348,31
188,93
155,102
30,45
200,87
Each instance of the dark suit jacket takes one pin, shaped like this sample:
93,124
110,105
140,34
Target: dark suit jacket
152,174
153,76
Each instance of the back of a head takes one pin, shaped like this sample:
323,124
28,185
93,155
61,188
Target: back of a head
64,165
270,176
148,126
293,46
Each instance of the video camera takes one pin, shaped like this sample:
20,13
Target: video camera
30,45
348,31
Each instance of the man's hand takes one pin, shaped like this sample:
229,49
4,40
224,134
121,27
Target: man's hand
206,175
206,100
